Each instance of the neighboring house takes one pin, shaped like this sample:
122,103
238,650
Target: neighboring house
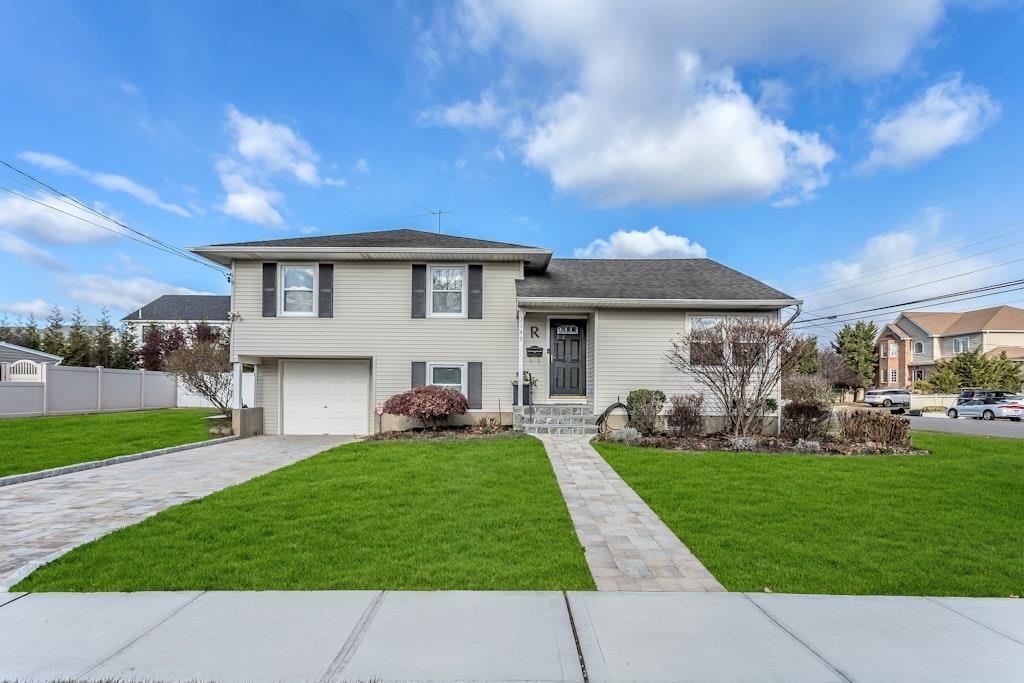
335,325
12,353
908,348
173,310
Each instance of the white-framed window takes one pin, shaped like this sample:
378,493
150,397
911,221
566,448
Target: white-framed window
961,344
918,374
884,378
892,349
893,376
707,353
885,349
448,290
297,290
447,375
918,347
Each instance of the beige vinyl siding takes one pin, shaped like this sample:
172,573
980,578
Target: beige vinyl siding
267,393
538,367
631,354
946,344
372,319
994,339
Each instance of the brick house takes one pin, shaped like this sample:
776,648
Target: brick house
908,347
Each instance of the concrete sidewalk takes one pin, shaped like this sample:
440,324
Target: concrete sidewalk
522,636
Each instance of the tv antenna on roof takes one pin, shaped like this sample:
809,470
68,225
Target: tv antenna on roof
430,212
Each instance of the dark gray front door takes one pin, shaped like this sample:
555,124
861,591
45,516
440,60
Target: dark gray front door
568,357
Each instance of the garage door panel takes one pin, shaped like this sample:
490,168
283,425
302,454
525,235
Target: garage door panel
325,397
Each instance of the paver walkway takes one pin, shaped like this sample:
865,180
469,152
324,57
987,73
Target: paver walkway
507,636
628,548
43,519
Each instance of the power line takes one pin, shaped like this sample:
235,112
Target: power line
110,230
149,240
917,257
1003,288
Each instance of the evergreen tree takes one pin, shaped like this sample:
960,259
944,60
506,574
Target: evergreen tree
151,353
78,347
53,335
103,341
856,344
126,353
1005,374
808,362
28,336
972,369
7,333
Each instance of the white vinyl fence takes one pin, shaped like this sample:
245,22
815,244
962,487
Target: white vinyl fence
71,390
918,401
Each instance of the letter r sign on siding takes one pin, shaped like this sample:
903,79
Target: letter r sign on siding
534,332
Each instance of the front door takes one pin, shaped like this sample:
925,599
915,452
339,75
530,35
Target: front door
568,357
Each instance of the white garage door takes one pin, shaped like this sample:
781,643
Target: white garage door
325,397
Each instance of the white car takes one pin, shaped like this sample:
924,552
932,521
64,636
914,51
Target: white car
888,397
1005,408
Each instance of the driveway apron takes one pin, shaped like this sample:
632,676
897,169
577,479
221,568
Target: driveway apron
628,548
46,518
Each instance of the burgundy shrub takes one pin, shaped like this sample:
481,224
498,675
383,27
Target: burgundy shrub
429,404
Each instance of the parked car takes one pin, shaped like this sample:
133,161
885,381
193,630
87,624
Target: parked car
888,397
1008,407
971,394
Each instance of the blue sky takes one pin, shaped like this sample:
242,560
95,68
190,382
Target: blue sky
802,143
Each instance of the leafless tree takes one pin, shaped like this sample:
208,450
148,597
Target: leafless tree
205,369
740,362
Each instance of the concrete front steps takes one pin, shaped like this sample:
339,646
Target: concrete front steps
555,419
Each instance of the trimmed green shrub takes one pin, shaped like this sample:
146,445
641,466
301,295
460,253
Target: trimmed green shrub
644,406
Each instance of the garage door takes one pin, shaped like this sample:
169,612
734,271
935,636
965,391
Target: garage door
325,397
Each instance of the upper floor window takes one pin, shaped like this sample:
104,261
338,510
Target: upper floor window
918,347
892,349
447,292
961,344
298,295
885,349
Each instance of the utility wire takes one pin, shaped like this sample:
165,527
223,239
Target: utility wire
65,198
916,257
111,230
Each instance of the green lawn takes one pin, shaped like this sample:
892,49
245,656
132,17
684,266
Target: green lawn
31,444
950,523
480,514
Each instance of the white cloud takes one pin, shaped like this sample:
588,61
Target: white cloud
49,225
638,244
36,307
628,103
361,166
485,113
949,113
22,249
246,200
129,264
273,146
108,181
119,293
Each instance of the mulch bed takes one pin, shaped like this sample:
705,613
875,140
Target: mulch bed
439,434
769,444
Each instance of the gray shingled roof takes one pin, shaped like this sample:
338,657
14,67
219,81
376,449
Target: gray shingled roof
644,279
403,238
184,307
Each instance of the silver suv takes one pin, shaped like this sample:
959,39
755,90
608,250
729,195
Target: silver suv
888,398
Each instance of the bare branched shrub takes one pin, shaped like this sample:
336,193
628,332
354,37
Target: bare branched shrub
685,416
866,426
740,363
807,419
205,369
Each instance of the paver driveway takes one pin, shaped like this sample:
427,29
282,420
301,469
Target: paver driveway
44,519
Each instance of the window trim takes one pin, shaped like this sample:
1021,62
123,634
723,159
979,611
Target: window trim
463,368
894,377
281,267
894,349
465,290
966,346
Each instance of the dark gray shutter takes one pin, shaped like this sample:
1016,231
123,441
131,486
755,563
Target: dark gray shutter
475,385
269,290
476,292
326,302
419,291
419,373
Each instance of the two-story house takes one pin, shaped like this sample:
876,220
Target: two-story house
337,324
908,348
179,310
